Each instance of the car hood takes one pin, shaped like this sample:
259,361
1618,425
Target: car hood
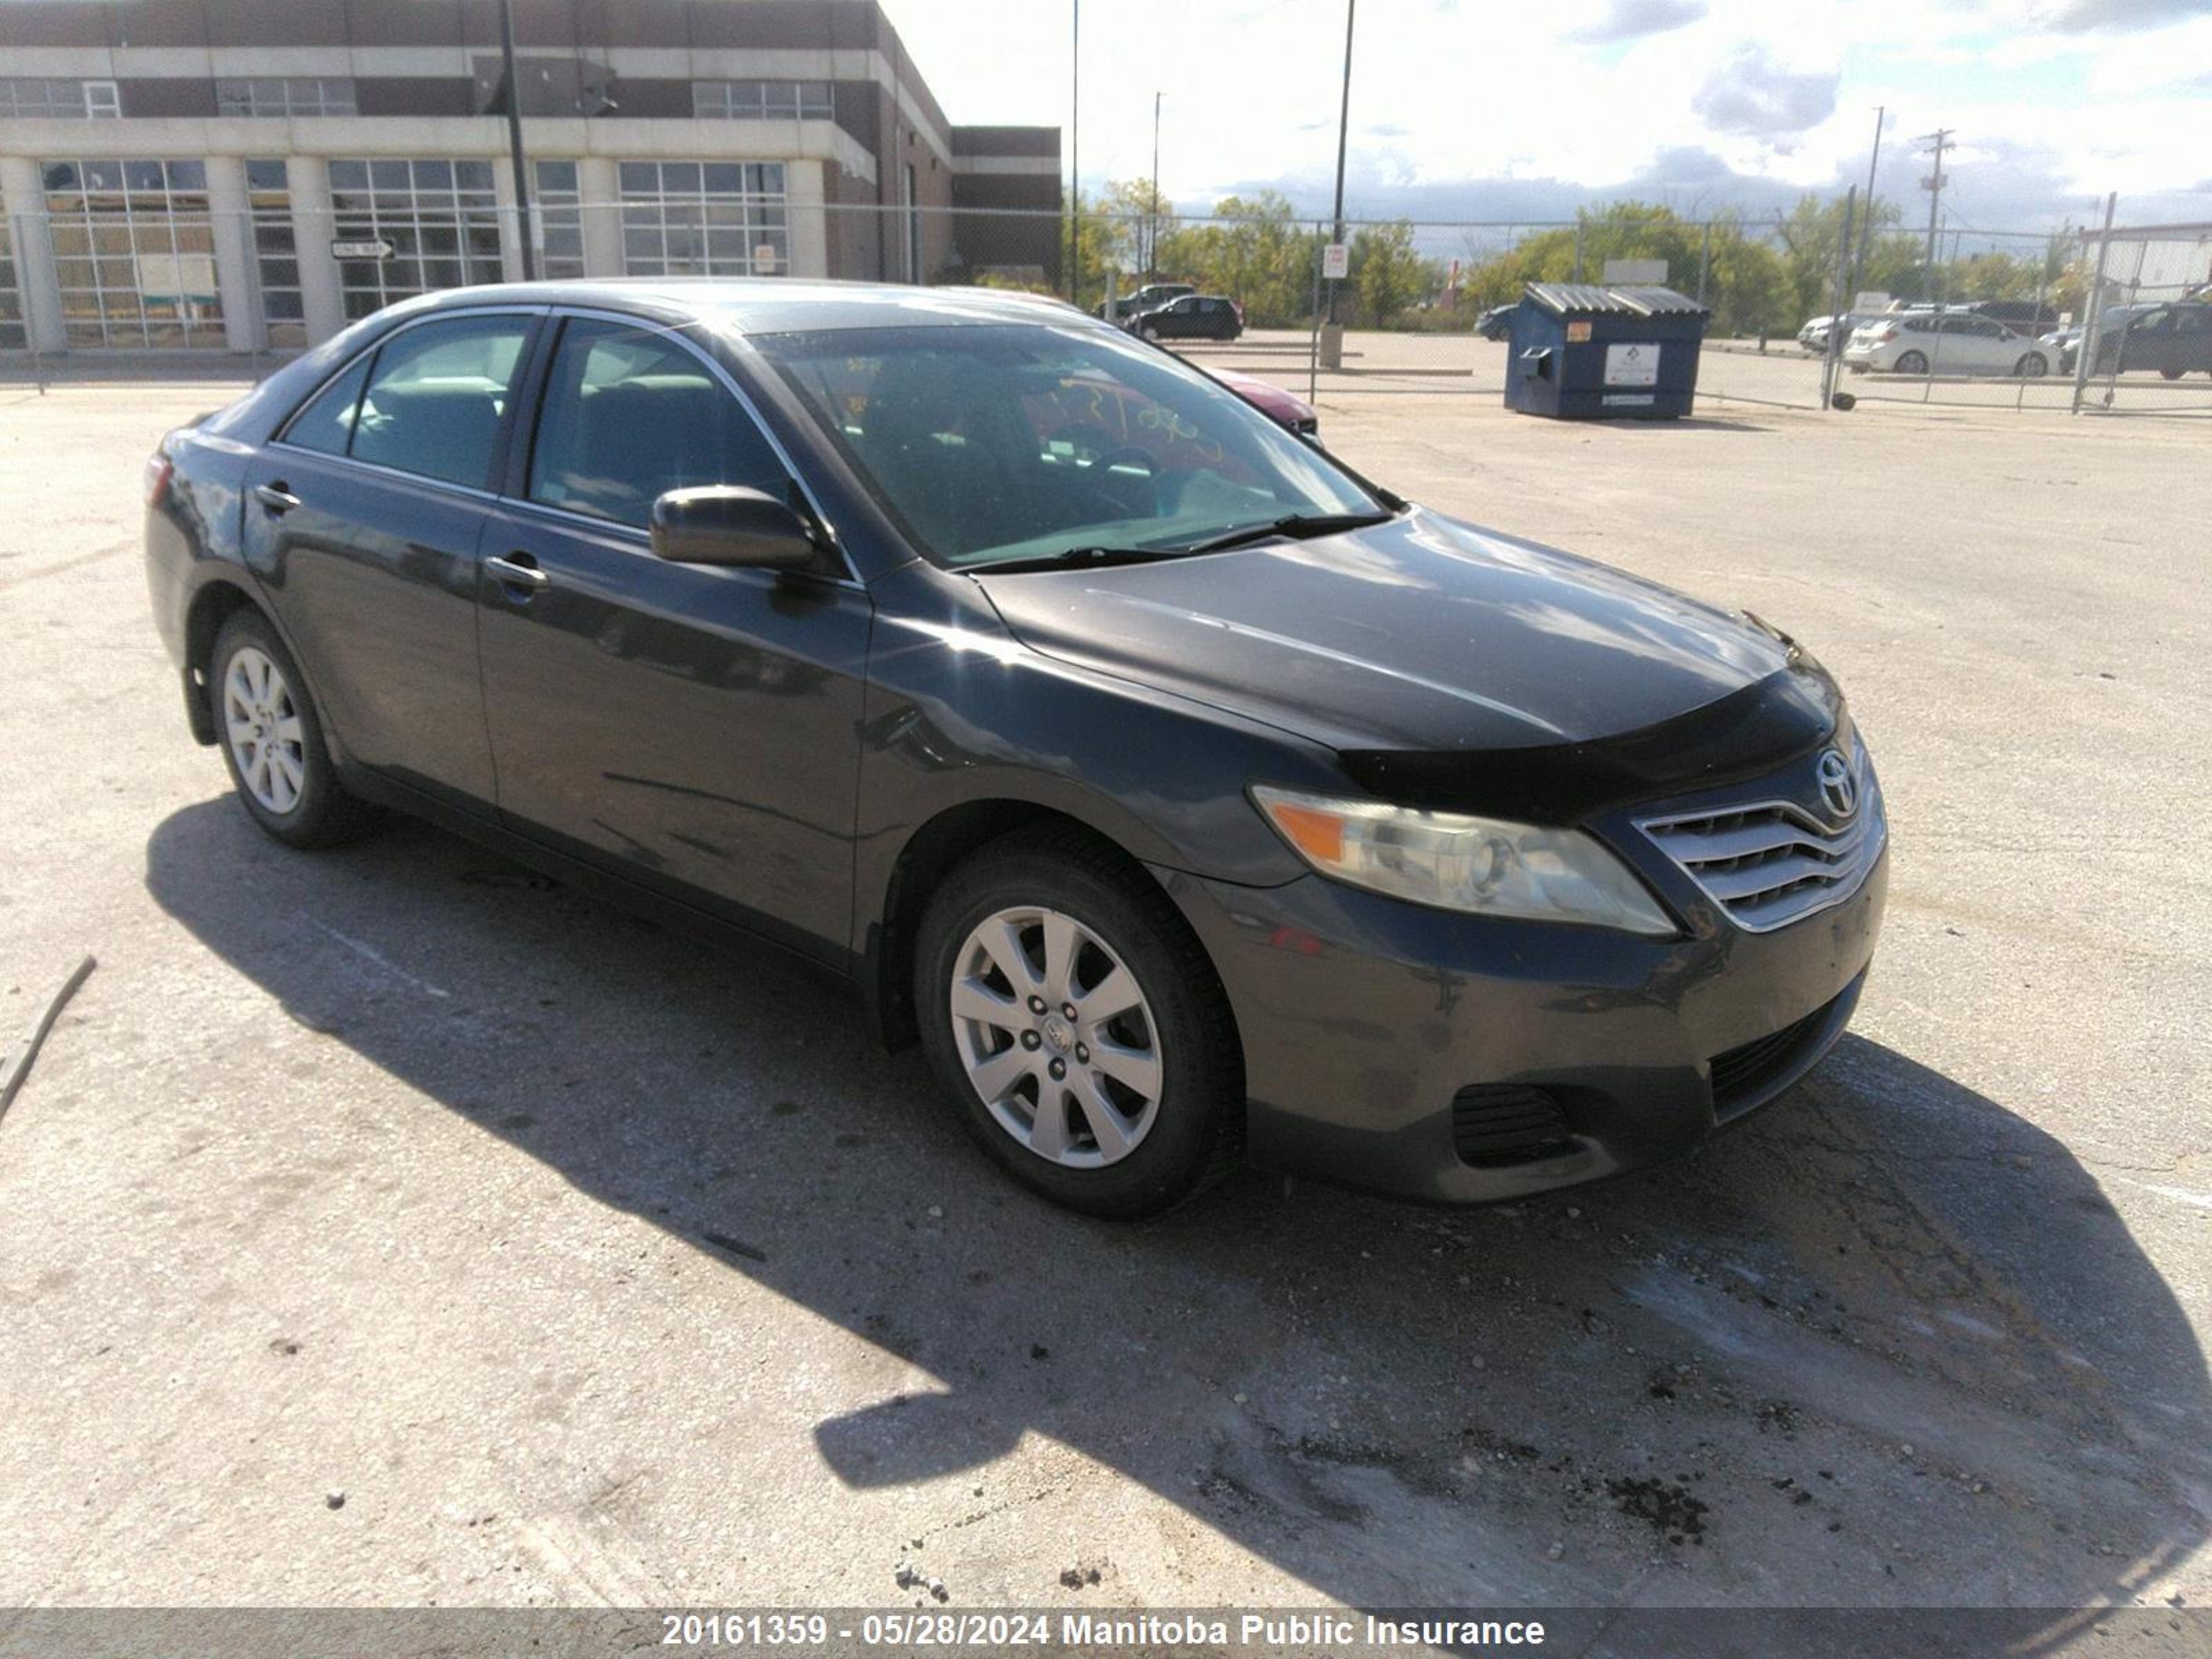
1262,396
1422,633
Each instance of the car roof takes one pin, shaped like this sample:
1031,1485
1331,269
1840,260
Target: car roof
773,305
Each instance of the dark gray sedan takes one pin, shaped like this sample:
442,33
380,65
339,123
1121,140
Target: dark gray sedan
1187,795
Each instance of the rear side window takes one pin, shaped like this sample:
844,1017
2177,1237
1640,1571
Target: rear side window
436,396
629,415
326,424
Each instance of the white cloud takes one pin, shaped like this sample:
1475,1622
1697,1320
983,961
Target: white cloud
1454,101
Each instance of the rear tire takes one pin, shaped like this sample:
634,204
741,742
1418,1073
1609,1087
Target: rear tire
1911,362
1124,1137
2169,374
271,739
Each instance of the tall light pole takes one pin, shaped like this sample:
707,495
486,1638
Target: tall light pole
1343,129
1152,230
1866,223
514,142
1933,184
1074,151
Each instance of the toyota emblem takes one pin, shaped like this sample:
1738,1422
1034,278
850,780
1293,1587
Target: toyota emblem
1837,787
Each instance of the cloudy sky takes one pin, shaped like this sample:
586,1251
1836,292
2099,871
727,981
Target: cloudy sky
1498,109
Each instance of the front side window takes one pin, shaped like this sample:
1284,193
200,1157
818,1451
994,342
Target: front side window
998,441
436,396
629,415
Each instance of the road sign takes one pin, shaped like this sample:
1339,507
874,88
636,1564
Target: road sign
378,249
1336,262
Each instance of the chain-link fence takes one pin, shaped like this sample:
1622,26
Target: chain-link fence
153,276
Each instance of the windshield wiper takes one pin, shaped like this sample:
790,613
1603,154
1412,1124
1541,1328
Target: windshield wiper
1079,556
1296,526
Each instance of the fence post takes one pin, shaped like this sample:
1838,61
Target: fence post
2093,308
1834,354
1578,245
1705,261
1313,344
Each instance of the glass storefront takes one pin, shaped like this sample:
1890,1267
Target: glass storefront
704,219
276,255
561,215
12,335
439,220
134,253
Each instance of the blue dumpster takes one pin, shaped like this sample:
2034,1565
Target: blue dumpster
1580,351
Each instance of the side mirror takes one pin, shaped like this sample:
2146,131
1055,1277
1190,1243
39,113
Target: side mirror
729,524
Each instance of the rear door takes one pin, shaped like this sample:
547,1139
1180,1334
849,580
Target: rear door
695,729
2192,339
364,514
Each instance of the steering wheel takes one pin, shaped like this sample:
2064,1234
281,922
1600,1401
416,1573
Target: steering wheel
1098,482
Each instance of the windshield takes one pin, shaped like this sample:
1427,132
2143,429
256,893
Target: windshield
1022,440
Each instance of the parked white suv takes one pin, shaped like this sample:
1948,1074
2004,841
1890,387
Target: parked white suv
1944,343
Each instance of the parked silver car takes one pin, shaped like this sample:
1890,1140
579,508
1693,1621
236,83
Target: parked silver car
1945,343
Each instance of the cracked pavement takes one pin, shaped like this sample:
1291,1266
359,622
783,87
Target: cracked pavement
592,1268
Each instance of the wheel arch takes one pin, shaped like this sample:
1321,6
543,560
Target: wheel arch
217,601
955,834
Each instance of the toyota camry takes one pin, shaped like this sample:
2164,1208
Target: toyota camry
1189,797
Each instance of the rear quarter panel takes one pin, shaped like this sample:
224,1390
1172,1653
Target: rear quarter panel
192,534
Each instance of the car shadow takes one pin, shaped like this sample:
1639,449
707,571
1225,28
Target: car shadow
1885,1344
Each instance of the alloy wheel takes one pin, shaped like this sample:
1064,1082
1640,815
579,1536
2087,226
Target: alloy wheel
262,723
1056,1038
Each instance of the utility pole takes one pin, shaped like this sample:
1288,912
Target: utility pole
1866,223
1075,151
1933,184
1152,229
525,224
1343,129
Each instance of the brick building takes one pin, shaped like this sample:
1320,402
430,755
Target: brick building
251,174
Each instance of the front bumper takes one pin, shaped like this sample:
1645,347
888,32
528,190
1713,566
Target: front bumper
1403,1050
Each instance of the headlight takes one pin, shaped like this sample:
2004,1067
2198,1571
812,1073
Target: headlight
1455,862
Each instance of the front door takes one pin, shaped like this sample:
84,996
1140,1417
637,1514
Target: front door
695,729
364,517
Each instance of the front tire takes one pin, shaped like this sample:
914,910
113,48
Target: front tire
271,739
1077,1028
2030,366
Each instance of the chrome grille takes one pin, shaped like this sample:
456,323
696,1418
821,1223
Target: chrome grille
1769,863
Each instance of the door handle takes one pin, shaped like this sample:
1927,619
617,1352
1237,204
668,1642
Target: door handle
275,497
519,570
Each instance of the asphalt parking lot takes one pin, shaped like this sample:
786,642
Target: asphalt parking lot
588,1267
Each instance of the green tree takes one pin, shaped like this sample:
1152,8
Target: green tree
1386,273
1253,251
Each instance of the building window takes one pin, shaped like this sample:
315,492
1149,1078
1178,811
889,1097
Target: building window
276,256
560,217
284,95
12,335
35,98
761,100
704,219
133,252
439,219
